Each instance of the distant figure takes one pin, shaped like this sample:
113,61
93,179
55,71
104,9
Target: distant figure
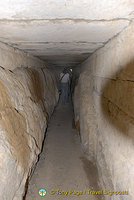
64,79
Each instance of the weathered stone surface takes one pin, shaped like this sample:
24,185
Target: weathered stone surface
12,58
106,112
27,99
62,32
65,9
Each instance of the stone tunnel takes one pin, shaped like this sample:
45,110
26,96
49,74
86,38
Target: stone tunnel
83,150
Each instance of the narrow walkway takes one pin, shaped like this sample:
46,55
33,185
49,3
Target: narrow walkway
62,165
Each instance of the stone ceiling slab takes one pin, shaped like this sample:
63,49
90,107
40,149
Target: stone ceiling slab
51,9
70,60
43,38
60,31
71,29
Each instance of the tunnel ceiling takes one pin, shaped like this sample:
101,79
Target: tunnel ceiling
63,32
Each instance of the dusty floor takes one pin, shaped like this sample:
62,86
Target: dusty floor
62,165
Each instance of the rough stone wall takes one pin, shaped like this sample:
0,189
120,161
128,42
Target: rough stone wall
27,99
104,106
12,58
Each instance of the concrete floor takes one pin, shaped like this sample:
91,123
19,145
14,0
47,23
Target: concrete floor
62,165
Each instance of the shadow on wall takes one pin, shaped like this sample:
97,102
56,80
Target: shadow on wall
117,131
118,100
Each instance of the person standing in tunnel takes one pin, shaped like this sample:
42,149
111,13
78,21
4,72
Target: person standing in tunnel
64,79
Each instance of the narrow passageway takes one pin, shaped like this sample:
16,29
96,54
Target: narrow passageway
62,165
45,46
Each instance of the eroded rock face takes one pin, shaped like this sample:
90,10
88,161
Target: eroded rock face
27,99
106,112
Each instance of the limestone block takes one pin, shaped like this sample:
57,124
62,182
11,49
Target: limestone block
106,112
23,121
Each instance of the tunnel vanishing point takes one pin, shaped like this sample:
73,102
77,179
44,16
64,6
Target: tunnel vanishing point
37,40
